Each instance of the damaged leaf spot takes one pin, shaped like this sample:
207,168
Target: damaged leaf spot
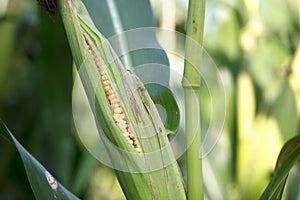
51,180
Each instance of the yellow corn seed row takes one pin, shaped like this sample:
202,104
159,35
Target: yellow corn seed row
117,110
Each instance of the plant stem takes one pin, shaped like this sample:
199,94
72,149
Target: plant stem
194,162
191,85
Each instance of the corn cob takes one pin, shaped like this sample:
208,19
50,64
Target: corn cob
117,109
129,118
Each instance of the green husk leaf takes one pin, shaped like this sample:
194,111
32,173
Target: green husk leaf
152,174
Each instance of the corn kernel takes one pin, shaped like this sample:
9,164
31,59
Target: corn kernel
102,73
107,88
104,77
118,110
138,149
121,126
126,134
106,82
109,91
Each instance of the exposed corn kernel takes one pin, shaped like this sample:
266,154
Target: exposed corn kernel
104,78
138,149
106,82
126,134
121,126
102,72
117,117
109,92
118,110
115,106
121,122
107,88
112,97
122,115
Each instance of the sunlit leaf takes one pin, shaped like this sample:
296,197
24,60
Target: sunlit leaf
284,110
288,157
164,97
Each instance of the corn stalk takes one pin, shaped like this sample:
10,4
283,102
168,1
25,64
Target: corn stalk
191,85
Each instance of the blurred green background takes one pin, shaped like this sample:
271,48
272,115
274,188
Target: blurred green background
254,43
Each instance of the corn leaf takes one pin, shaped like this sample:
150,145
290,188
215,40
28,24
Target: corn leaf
288,157
43,184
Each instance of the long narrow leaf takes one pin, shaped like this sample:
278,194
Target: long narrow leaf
288,157
43,184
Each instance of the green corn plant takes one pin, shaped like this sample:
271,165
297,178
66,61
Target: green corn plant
127,120
124,111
